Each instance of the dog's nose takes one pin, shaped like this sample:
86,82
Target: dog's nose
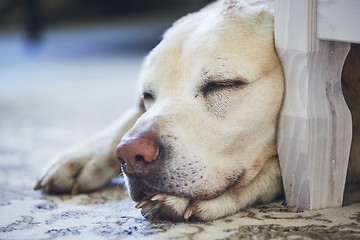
137,154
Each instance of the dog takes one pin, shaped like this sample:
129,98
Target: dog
201,144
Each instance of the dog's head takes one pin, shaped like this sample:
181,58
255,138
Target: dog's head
211,93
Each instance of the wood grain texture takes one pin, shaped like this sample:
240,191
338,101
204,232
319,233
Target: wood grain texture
338,20
314,132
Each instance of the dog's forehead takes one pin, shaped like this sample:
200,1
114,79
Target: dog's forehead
222,35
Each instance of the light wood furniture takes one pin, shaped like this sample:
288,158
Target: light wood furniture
314,136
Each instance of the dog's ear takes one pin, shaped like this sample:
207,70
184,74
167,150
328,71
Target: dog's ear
254,6
231,3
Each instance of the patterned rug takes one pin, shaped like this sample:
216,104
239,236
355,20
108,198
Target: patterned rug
109,214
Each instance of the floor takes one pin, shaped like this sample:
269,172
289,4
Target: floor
59,93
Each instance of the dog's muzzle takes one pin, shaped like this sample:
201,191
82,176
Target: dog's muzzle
153,166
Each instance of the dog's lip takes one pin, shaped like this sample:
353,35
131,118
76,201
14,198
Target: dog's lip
150,191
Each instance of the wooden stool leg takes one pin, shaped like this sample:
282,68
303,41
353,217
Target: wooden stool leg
315,127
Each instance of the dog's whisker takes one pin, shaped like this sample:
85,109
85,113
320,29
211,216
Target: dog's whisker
159,197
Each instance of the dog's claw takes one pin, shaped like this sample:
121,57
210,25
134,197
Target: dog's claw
38,185
159,197
143,204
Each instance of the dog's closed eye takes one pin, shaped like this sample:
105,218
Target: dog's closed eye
216,86
148,100
147,96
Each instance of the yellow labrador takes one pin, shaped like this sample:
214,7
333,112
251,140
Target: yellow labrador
202,143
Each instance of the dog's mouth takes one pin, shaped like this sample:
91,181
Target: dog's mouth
143,190
148,192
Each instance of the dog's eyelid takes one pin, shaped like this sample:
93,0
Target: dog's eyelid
148,100
234,82
214,86
147,96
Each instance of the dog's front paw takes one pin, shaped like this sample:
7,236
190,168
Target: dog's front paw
77,171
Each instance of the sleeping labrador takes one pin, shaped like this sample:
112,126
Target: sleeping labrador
201,144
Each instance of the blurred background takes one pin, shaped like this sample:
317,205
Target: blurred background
49,35
69,67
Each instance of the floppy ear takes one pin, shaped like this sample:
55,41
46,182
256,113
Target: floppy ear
255,6
231,4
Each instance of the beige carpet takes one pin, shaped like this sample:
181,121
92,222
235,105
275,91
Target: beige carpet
49,103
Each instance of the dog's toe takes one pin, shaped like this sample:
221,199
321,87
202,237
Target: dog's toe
200,212
59,178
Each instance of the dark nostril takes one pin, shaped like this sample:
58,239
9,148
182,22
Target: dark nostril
139,158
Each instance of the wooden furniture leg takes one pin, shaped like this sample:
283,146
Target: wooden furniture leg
315,129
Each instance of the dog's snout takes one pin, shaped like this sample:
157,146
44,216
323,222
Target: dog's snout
137,154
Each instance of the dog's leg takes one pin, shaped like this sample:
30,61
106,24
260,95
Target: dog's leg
89,166
264,188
